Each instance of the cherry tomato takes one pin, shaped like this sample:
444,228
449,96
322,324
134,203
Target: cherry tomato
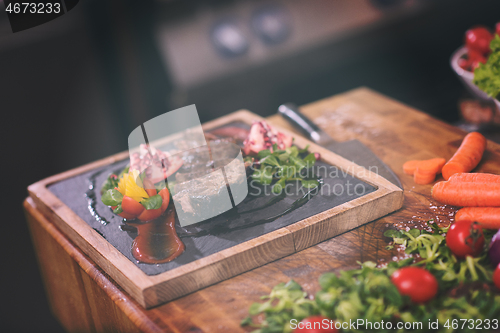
150,214
316,324
416,282
496,277
465,238
165,197
478,39
474,55
497,28
124,215
149,187
131,206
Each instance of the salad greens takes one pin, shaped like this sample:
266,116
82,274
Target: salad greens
367,293
113,179
284,166
487,76
112,197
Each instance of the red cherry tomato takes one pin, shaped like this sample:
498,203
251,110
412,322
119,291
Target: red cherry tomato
465,239
478,39
474,55
149,187
124,215
131,206
416,282
127,216
165,197
497,28
316,324
496,277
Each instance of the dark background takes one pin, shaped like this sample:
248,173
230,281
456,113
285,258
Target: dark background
72,89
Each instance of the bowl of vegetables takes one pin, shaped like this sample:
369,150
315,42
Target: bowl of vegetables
477,63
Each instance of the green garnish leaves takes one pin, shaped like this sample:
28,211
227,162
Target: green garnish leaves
283,157
113,179
287,171
270,160
279,186
298,162
263,153
310,183
283,166
263,176
487,76
110,183
247,321
310,160
112,197
303,151
153,202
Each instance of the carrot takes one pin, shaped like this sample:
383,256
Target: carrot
475,178
467,194
423,177
410,167
424,171
488,217
467,156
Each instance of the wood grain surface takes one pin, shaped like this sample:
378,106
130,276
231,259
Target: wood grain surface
89,301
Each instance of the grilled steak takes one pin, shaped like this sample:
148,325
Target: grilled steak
201,189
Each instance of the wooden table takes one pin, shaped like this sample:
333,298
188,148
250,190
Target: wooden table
83,298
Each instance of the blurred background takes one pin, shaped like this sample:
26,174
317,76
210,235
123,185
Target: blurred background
72,90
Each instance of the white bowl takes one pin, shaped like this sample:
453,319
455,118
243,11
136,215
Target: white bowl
466,77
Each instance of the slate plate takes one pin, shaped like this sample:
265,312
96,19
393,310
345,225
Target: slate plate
223,231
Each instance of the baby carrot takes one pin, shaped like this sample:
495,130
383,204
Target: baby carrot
475,178
467,156
467,194
410,166
488,217
424,171
422,178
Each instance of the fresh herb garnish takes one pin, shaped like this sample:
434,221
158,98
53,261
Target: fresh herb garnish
118,209
153,202
487,76
112,197
368,294
110,183
113,179
283,166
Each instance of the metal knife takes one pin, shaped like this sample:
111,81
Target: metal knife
352,150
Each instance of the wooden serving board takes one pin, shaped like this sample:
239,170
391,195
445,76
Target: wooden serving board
150,290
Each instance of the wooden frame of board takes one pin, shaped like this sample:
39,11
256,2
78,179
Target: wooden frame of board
150,291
